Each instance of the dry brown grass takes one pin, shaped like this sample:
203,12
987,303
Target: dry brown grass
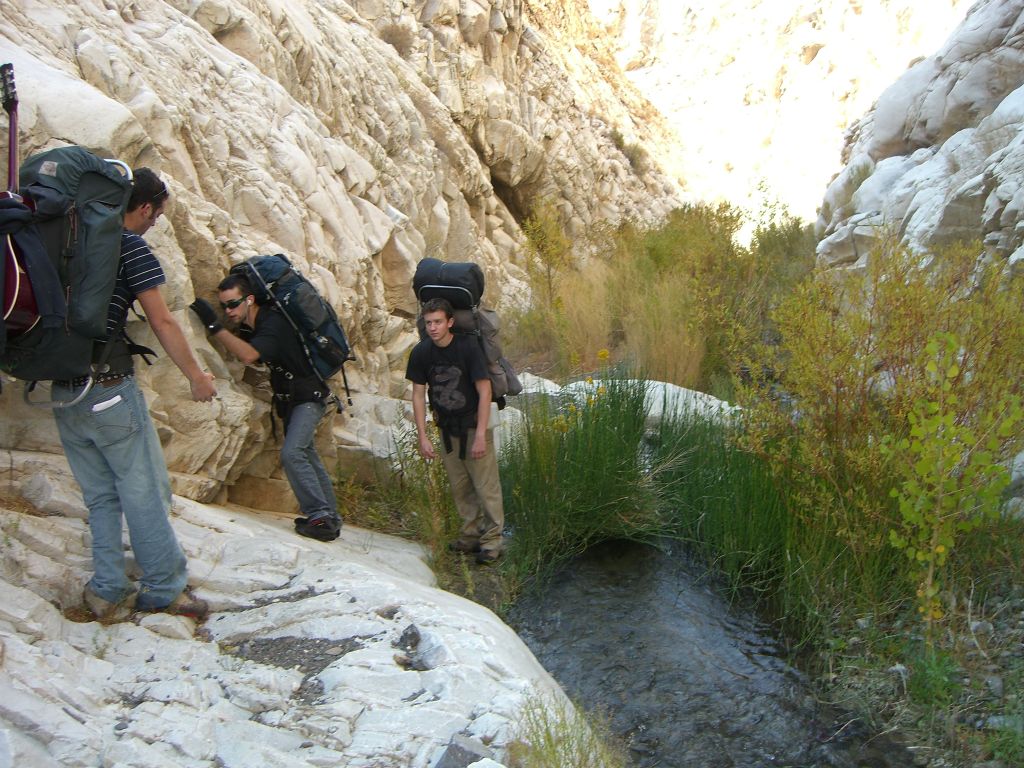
20,505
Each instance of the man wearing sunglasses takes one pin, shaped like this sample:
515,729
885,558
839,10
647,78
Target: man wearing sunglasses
299,396
111,445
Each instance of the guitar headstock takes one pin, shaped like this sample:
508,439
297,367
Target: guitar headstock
8,93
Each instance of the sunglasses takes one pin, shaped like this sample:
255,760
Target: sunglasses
160,196
232,303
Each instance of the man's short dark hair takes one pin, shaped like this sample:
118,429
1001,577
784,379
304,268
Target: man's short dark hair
438,305
147,188
236,281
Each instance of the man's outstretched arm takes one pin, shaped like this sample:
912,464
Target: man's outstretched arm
173,340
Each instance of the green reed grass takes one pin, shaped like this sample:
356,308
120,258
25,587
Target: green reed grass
589,468
729,505
574,476
722,499
412,498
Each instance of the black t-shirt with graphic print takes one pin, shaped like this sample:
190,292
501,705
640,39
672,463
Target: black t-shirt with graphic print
450,374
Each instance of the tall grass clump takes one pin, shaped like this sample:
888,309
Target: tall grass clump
555,734
886,410
410,498
574,476
723,500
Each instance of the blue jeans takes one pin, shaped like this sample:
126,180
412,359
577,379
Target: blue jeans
116,458
302,465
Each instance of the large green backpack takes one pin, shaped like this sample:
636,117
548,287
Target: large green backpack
69,250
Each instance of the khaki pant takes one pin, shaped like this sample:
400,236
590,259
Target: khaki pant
476,488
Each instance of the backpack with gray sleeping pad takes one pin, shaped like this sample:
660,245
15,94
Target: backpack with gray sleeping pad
461,284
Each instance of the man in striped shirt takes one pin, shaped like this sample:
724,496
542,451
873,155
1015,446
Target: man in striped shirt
112,447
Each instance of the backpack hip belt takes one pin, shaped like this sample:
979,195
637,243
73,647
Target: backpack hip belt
310,387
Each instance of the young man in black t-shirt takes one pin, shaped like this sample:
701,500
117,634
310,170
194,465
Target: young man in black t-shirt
454,370
299,397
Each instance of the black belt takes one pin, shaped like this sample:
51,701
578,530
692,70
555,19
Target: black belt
103,379
316,395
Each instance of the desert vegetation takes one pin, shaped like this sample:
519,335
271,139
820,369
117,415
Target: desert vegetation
860,496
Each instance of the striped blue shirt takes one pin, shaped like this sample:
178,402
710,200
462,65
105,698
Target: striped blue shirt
139,271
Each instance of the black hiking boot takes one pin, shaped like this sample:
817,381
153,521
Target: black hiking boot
487,556
461,547
321,529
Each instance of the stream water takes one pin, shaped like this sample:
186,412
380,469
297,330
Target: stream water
688,680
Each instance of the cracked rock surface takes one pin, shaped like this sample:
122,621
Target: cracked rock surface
296,665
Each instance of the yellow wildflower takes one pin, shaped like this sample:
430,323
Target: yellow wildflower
602,354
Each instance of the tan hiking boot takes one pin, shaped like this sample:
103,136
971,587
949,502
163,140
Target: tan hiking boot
106,610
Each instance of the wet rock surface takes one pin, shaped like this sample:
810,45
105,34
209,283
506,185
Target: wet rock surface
310,655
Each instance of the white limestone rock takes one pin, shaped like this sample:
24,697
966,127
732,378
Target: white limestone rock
938,158
357,138
762,92
661,399
240,690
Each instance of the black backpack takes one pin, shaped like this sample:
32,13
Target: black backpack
275,281
64,243
462,285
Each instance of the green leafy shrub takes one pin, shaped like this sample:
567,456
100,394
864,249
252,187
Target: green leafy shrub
638,158
950,470
549,251
617,139
847,378
932,682
679,300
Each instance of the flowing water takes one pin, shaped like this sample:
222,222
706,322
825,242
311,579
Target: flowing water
688,680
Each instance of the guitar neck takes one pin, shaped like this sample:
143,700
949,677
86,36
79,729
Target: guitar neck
9,95
12,154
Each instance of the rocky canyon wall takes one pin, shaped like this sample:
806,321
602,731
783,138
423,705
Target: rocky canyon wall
760,92
356,137
939,156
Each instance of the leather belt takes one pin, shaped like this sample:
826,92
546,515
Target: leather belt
103,379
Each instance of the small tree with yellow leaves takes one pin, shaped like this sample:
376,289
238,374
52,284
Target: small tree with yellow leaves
549,248
951,472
